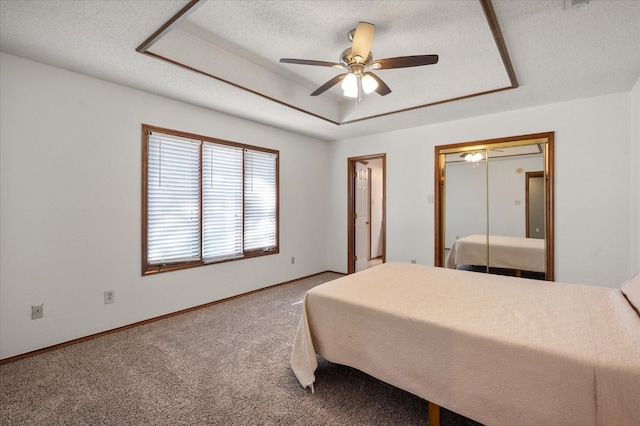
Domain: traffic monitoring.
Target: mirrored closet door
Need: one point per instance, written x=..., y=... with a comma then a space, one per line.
x=494, y=206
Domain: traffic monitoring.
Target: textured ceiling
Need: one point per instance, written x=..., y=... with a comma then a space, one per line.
x=558, y=52
x=247, y=51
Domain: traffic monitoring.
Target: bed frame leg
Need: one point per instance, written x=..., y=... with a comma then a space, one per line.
x=434, y=414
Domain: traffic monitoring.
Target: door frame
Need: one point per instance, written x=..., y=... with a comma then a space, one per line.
x=351, y=241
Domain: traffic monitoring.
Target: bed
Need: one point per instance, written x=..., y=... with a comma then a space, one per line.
x=484, y=346
x=520, y=254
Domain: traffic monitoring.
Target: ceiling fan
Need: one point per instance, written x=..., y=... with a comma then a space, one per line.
x=357, y=60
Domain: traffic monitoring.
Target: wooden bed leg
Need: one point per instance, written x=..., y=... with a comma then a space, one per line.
x=434, y=414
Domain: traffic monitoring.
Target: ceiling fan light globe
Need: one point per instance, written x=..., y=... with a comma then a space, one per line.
x=350, y=86
x=350, y=93
x=369, y=84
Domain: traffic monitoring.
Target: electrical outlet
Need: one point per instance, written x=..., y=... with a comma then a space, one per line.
x=413, y=261
x=37, y=311
x=293, y=260
x=109, y=296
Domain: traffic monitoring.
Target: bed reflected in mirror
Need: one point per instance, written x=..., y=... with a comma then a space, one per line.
x=494, y=211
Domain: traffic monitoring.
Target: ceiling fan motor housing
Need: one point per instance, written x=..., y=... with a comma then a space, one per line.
x=347, y=60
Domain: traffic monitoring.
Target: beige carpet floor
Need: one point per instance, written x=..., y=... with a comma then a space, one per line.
x=226, y=364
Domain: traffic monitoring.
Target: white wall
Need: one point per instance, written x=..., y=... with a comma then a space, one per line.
x=591, y=190
x=634, y=164
x=70, y=173
x=465, y=194
x=70, y=227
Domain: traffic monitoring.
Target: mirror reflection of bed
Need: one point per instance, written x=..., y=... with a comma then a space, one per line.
x=494, y=206
x=514, y=256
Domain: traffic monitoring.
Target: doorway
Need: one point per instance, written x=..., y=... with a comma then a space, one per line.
x=535, y=205
x=366, y=211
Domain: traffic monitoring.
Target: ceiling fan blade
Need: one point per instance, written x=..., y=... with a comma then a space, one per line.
x=329, y=84
x=362, y=40
x=405, y=62
x=382, y=88
x=311, y=62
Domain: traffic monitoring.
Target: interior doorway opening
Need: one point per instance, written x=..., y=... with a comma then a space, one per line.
x=366, y=211
x=535, y=210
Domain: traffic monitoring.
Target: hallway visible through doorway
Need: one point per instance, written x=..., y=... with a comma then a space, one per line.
x=366, y=212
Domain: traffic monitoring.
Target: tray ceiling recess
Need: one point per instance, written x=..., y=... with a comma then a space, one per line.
x=240, y=43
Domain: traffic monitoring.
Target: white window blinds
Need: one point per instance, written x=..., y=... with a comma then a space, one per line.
x=173, y=200
x=222, y=202
x=207, y=201
x=260, y=200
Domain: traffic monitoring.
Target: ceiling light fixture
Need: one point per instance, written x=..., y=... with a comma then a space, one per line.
x=358, y=58
x=350, y=86
x=369, y=84
x=473, y=157
x=356, y=82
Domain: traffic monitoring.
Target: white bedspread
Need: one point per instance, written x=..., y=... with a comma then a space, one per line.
x=496, y=349
x=524, y=254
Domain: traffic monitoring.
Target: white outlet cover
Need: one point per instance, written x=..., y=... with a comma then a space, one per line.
x=37, y=311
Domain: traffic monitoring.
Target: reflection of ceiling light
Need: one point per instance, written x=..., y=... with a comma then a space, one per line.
x=353, y=82
x=472, y=156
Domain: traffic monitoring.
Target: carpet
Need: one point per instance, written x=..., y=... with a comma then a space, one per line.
x=224, y=364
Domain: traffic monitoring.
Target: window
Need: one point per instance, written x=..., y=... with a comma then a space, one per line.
x=205, y=200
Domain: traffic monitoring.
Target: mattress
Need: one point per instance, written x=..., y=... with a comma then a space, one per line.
x=496, y=349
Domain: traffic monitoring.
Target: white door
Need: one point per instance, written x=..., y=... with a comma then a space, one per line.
x=362, y=217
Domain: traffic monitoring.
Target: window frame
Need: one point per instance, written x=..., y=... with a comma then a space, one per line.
x=150, y=269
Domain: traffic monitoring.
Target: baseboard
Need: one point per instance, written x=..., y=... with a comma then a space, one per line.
x=147, y=321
